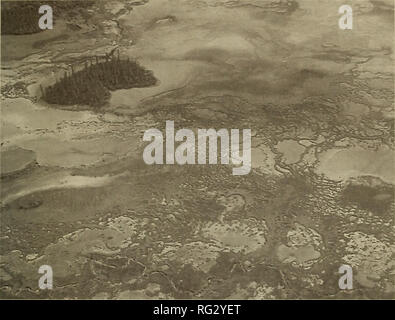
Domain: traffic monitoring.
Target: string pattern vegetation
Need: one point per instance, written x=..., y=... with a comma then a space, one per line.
x=92, y=84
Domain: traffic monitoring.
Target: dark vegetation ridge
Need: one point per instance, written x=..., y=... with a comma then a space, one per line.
x=91, y=85
x=21, y=17
x=376, y=199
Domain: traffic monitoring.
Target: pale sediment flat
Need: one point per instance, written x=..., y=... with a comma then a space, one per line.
x=319, y=101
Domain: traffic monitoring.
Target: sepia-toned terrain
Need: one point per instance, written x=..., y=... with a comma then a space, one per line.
x=76, y=194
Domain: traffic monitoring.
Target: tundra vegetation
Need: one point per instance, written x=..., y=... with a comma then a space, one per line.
x=91, y=85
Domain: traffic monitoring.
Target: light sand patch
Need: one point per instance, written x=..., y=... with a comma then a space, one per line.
x=237, y=236
x=58, y=180
x=126, y=101
x=301, y=236
x=302, y=256
x=9, y=131
x=54, y=151
x=343, y=164
x=263, y=160
x=291, y=150
x=14, y=160
x=354, y=109
x=232, y=202
x=369, y=257
x=25, y=115
x=202, y=256
x=65, y=138
x=301, y=249
x=71, y=252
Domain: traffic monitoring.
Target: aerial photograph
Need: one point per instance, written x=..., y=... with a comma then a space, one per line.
x=197, y=149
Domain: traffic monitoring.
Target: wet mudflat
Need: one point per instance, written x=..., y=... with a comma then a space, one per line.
x=319, y=101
